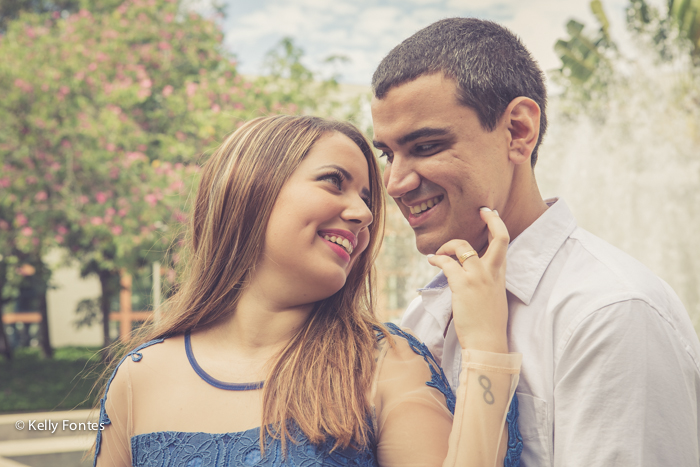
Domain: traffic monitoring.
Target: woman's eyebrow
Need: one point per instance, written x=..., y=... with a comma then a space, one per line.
x=345, y=173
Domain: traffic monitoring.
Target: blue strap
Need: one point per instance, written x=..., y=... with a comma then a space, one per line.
x=210, y=379
x=104, y=420
x=438, y=380
x=515, y=439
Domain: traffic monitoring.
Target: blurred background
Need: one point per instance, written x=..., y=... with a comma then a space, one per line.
x=109, y=107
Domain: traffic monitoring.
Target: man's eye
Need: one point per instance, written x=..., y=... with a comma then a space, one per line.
x=423, y=148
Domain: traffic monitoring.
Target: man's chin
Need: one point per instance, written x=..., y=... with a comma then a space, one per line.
x=426, y=246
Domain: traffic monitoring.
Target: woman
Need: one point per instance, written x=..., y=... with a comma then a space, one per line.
x=272, y=331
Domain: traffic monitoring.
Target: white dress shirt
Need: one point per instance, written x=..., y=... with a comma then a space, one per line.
x=611, y=363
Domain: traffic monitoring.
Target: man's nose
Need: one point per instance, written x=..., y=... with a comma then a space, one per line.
x=400, y=177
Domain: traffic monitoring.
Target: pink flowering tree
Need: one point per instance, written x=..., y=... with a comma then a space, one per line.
x=102, y=120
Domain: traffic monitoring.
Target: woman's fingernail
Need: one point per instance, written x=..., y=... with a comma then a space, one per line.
x=497, y=213
x=430, y=256
x=484, y=208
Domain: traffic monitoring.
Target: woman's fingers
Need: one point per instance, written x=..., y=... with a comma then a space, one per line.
x=479, y=303
x=495, y=254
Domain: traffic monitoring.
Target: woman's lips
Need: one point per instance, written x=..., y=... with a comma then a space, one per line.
x=339, y=250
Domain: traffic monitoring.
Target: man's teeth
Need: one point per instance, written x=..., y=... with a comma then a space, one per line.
x=424, y=206
x=344, y=242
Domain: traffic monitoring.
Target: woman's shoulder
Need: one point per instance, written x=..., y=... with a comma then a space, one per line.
x=147, y=360
x=403, y=357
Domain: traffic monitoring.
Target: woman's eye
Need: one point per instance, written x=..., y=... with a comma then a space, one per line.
x=334, y=179
x=389, y=157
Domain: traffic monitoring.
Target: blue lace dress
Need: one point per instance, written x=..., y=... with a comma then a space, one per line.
x=197, y=449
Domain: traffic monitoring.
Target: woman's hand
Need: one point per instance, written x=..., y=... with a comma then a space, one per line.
x=479, y=304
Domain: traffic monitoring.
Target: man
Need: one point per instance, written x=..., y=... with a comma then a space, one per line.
x=610, y=372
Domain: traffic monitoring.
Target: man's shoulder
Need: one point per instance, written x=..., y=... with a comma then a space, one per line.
x=595, y=276
x=596, y=268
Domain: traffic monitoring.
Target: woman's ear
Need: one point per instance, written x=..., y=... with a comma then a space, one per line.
x=522, y=117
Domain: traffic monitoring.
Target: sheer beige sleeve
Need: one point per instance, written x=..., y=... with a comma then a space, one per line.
x=414, y=426
x=115, y=447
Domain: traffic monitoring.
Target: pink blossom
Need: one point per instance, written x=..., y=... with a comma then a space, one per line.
x=177, y=185
x=167, y=90
x=162, y=45
x=110, y=147
x=27, y=231
x=151, y=199
x=31, y=180
x=146, y=83
x=141, y=147
x=110, y=211
x=135, y=156
x=23, y=85
x=4, y=182
x=180, y=136
x=117, y=229
x=4, y=225
x=190, y=89
x=114, y=173
x=143, y=93
x=83, y=199
x=41, y=196
x=44, y=87
x=58, y=239
x=101, y=197
x=48, y=176
x=96, y=221
x=92, y=66
x=20, y=219
x=168, y=18
x=122, y=212
x=215, y=108
x=61, y=230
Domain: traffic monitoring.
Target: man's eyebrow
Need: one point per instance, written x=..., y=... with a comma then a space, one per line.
x=414, y=135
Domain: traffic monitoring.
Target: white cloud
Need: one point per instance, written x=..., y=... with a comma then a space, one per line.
x=366, y=30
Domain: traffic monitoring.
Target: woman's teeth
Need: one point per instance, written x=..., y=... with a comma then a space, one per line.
x=344, y=242
x=425, y=206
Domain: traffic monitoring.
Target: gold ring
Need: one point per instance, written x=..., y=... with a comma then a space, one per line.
x=465, y=256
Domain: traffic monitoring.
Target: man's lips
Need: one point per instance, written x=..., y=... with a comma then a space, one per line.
x=419, y=207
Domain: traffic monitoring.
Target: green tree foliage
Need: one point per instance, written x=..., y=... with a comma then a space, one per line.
x=102, y=118
x=589, y=58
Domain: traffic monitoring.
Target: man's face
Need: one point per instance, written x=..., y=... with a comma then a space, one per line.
x=442, y=166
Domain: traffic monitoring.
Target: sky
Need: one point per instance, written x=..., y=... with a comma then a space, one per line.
x=364, y=31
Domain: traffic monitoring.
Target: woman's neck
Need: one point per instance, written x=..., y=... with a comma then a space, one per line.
x=241, y=347
x=260, y=323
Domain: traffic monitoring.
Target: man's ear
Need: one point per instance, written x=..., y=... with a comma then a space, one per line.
x=522, y=118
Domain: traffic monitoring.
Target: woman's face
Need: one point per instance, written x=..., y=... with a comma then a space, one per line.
x=318, y=226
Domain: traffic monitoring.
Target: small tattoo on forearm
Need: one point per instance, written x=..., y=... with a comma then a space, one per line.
x=485, y=383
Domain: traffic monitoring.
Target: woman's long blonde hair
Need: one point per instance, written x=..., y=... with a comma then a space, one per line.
x=320, y=380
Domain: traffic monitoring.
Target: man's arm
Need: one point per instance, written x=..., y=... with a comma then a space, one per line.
x=625, y=391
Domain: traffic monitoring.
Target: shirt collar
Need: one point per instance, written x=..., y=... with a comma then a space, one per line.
x=531, y=252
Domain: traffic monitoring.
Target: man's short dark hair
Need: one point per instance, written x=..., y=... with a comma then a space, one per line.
x=488, y=62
